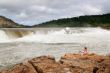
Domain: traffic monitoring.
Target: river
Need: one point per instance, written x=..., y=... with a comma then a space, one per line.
x=18, y=44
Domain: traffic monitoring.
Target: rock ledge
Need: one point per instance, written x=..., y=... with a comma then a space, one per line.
x=69, y=63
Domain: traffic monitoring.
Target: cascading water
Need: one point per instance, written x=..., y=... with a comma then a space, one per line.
x=64, y=35
x=10, y=35
x=70, y=35
x=3, y=37
x=50, y=41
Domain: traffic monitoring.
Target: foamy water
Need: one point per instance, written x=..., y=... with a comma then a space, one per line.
x=51, y=41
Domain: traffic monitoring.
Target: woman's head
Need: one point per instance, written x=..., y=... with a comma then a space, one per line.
x=85, y=48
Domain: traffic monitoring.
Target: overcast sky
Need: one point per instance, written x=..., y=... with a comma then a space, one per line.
x=31, y=12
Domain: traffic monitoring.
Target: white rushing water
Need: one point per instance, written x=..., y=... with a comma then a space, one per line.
x=61, y=35
x=67, y=36
x=52, y=41
x=3, y=37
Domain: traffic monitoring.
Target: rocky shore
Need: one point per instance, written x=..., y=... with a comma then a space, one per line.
x=69, y=63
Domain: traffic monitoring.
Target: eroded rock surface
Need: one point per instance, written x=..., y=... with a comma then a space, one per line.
x=69, y=63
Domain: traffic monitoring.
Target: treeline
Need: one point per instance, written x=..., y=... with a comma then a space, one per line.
x=81, y=21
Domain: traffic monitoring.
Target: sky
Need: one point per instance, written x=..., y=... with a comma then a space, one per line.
x=30, y=12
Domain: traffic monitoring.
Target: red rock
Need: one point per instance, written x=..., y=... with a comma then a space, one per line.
x=47, y=65
x=69, y=63
x=21, y=68
x=92, y=57
x=104, y=67
x=4, y=71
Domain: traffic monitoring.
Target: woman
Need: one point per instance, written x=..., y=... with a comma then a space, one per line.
x=84, y=51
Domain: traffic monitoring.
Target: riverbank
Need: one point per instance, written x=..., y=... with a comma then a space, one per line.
x=69, y=63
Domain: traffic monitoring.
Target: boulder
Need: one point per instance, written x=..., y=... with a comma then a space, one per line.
x=46, y=64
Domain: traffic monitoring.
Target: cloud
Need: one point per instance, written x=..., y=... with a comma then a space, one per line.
x=22, y=15
x=90, y=10
x=30, y=12
x=43, y=9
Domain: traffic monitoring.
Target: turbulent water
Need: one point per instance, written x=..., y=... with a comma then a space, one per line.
x=19, y=44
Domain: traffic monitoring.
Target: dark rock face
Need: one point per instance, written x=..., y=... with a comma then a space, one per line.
x=69, y=63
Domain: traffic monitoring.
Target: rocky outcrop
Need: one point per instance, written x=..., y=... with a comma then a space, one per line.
x=69, y=63
x=8, y=23
x=91, y=63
